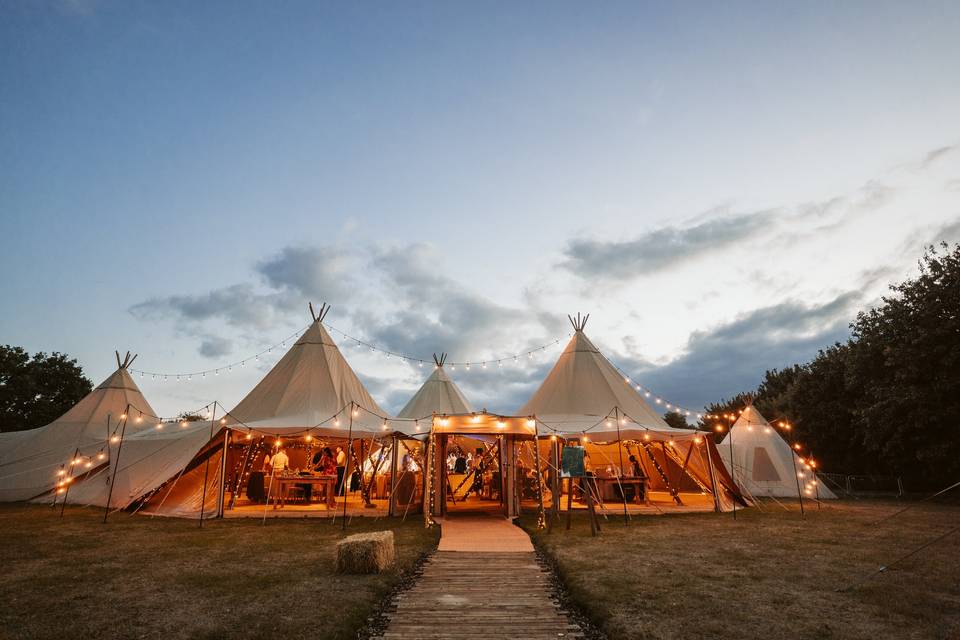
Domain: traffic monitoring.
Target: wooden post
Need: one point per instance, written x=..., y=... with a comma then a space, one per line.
x=556, y=484
x=116, y=465
x=569, y=500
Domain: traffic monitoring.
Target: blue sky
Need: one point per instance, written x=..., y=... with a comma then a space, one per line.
x=722, y=187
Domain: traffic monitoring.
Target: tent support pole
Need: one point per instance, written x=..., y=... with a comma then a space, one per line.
x=116, y=466
x=796, y=476
x=713, y=477
x=623, y=494
x=206, y=468
x=223, y=473
x=733, y=466
x=392, y=504
x=66, y=493
x=345, y=485
x=541, y=518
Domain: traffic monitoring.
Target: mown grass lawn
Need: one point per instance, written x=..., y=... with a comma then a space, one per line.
x=769, y=574
x=143, y=577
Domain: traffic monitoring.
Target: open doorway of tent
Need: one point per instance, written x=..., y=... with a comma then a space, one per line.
x=254, y=474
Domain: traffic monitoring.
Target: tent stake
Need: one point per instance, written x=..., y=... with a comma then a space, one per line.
x=116, y=468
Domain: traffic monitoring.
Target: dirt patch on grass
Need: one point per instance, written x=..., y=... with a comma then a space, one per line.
x=142, y=577
x=769, y=574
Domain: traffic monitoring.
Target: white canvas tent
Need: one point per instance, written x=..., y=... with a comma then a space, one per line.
x=764, y=464
x=33, y=462
x=585, y=398
x=311, y=393
x=438, y=394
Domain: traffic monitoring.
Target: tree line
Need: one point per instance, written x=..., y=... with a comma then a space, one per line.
x=887, y=401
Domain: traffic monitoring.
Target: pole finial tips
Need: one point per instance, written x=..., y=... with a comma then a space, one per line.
x=579, y=322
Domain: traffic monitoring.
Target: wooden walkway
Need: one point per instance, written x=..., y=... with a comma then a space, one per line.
x=476, y=592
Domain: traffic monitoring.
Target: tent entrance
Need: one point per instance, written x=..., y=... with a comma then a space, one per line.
x=376, y=476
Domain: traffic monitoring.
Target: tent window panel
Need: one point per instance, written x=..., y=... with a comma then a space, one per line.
x=763, y=469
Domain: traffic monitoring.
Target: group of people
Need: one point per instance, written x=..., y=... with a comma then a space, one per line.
x=324, y=462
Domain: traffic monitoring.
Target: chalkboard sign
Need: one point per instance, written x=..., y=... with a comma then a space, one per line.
x=572, y=463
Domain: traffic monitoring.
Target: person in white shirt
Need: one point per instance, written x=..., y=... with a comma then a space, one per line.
x=341, y=469
x=280, y=461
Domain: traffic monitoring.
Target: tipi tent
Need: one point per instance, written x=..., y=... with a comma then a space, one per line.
x=310, y=395
x=33, y=462
x=311, y=387
x=438, y=394
x=764, y=464
x=584, y=398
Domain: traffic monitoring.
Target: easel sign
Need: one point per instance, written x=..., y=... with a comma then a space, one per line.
x=573, y=470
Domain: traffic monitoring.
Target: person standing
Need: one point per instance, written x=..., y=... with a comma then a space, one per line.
x=341, y=468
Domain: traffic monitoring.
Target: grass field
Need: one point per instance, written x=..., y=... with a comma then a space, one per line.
x=769, y=574
x=142, y=577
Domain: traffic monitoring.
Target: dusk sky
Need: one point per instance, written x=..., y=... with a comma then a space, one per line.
x=722, y=186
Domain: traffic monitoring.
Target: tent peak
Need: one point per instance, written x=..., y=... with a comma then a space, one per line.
x=127, y=360
x=318, y=316
x=579, y=322
x=439, y=360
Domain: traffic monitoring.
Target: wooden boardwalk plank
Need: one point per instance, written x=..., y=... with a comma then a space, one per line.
x=483, y=582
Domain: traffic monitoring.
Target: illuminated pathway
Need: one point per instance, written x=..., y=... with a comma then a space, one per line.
x=484, y=581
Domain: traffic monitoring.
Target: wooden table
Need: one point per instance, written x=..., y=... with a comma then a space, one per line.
x=623, y=481
x=281, y=486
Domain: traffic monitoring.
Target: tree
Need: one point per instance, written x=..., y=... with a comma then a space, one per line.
x=36, y=391
x=718, y=413
x=904, y=373
x=675, y=420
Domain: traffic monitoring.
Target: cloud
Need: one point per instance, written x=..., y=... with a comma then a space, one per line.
x=733, y=357
x=238, y=305
x=935, y=155
x=661, y=248
x=314, y=273
x=215, y=347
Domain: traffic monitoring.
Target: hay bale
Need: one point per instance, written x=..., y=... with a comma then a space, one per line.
x=365, y=553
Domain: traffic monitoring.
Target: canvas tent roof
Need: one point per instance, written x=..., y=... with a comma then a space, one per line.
x=583, y=388
x=438, y=394
x=763, y=462
x=310, y=385
x=29, y=460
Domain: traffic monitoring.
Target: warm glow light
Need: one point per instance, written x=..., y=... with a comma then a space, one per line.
x=749, y=428
x=139, y=419
x=77, y=461
x=336, y=422
x=698, y=439
x=586, y=439
x=609, y=423
x=719, y=427
x=531, y=423
x=249, y=436
x=277, y=443
x=308, y=437
x=355, y=413
x=766, y=429
x=123, y=416
x=115, y=439
x=475, y=419
x=60, y=472
x=659, y=401
x=797, y=446
x=223, y=421
x=501, y=424
x=646, y=436
x=183, y=423
x=553, y=437
x=384, y=425
x=670, y=443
